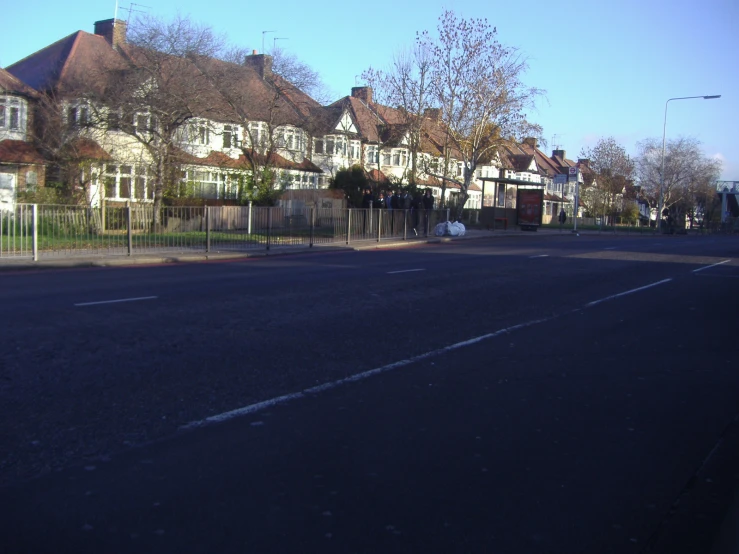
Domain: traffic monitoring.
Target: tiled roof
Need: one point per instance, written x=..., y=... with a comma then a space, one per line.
x=84, y=59
x=10, y=83
x=63, y=65
x=19, y=152
x=247, y=95
x=377, y=176
x=219, y=159
x=86, y=149
x=552, y=197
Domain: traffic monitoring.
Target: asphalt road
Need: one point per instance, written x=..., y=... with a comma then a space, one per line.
x=560, y=394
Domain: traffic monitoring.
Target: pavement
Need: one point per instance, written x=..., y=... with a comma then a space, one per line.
x=60, y=261
x=727, y=540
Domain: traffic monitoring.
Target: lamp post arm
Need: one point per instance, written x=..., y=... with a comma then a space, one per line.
x=664, y=135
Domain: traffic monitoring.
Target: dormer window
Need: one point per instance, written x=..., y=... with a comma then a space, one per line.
x=230, y=136
x=199, y=133
x=10, y=113
x=77, y=116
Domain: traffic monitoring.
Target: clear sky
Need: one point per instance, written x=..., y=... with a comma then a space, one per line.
x=608, y=67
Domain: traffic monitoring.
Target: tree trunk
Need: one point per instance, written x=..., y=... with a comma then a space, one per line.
x=156, y=222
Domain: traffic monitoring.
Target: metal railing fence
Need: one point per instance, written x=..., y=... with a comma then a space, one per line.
x=33, y=231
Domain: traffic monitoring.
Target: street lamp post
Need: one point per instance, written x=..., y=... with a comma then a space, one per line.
x=662, y=173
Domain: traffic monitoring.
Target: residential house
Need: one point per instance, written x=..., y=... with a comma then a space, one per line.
x=242, y=120
x=21, y=164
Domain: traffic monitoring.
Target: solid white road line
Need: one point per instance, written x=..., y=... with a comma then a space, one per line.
x=404, y=271
x=710, y=266
x=251, y=408
x=354, y=378
x=539, y=256
x=116, y=301
x=594, y=302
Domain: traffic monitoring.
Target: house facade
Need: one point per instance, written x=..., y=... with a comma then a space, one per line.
x=22, y=167
x=246, y=120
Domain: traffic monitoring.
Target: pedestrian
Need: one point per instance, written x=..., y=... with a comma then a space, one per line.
x=368, y=199
x=404, y=202
x=380, y=203
x=562, y=217
x=416, y=204
x=390, y=207
x=396, y=200
x=428, y=206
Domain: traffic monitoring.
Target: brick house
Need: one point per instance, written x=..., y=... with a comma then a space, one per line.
x=22, y=167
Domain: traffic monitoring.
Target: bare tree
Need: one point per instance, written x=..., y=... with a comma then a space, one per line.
x=61, y=140
x=300, y=75
x=477, y=86
x=687, y=172
x=612, y=170
x=266, y=107
x=161, y=92
x=406, y=86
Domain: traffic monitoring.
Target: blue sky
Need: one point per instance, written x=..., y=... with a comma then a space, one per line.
x=608, y=68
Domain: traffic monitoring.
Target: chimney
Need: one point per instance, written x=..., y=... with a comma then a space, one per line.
x=530, y=141
x=559, y=154
x=363, y=93
x=112, y=30
x=432, y=113
x=262, y=63
x=584, y=162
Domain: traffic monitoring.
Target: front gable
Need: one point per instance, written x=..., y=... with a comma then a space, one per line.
x=346, y=124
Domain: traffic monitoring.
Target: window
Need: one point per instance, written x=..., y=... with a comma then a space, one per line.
x=400, y=157
x=15, y=118
x=330, y=145
x=199, y=133
x=140, y=187
x=257, y=133
x=124, y=186
x=114, y=120
x=109, y=181
x=341, y=146
x=372, y=155
x=386, y=158
x=77, y=116
x=230, y=136
x=318, y=146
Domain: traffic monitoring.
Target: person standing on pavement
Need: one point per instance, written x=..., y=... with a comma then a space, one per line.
x=428, y=205
x=368, y=199
x=390, y=207
x=416, y=204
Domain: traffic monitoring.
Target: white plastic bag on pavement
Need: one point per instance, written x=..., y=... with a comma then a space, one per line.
x=450, y=229
x=457, y=229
